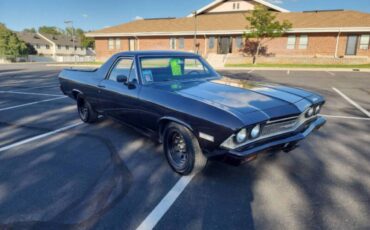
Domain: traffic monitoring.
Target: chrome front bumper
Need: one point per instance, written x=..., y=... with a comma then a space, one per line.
x=277, y=142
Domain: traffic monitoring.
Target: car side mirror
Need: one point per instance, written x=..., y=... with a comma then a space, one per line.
x=122, y=79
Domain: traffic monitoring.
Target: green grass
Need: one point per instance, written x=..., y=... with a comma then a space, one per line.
x=300, y=66
x=90, y=63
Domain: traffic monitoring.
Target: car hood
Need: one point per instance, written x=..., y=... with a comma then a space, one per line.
x=260, y=101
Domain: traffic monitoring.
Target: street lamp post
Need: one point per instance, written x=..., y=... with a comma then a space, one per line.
x=195, y=31
x=73, y=38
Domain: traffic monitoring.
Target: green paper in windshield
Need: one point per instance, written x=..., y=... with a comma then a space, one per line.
x=176, y=67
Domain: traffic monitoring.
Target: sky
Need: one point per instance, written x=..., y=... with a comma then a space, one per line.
x=98, y=14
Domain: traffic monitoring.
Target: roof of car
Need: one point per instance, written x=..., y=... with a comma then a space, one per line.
x=155, y=53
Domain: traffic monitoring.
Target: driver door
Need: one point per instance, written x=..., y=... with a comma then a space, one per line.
x=117, y=99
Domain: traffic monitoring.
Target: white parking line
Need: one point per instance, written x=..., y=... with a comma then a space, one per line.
x=348, y=118
x=29, y=93
x=352, y=102
x=331, y=73
x=158, y=212
x=41, y=87
x=288, y=72
x=251, y=71
x=31, y=103
x=39, y=137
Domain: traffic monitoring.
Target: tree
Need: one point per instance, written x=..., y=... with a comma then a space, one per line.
x=30, y=30
x=80, y=34
x=10, y=45
x=52, y=30
x=264, y=27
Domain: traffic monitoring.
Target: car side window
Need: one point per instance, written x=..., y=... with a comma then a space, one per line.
x=125, y=66
x=133, y=74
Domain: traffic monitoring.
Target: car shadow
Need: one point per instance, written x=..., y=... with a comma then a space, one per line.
x=66, y=192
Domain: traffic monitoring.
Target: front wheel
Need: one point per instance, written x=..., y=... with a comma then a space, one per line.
x=85, y=111
x=182, y=150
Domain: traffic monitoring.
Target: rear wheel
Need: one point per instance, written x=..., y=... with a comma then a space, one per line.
x=85, y=111
x=182, y=150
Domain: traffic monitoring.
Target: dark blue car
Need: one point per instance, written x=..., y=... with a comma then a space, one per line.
x=184, y=103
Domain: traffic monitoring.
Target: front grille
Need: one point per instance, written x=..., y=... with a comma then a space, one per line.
x=279, y=127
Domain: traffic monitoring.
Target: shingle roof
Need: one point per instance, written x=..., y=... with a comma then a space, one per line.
x=237, y=21
x=32, y=38
x=62, y=40
x=36, y=39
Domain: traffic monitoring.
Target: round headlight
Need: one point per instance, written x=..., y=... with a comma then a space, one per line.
x=317, y=109
x=310, y=112
x=256, y=131
x=241, y=136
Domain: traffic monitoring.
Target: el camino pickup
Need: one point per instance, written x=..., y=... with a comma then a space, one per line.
x=179, y=99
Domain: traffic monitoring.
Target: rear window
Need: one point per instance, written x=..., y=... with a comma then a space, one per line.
x=163, y=69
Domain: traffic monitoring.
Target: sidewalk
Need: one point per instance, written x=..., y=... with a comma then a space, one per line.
x=296, y=69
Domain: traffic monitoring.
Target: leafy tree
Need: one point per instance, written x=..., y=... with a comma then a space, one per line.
x=52, y=30
x=30, y=30
x=80, y=34
x=30, y=50
x=87, y=42
x=10, y=44
x=264, y=27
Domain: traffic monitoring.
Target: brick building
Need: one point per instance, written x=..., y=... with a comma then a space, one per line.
x=220, y=26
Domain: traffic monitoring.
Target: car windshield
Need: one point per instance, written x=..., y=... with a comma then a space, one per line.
x=163, y=69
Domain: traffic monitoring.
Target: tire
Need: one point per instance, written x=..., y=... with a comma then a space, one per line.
x=85, y=111
x=182, y=150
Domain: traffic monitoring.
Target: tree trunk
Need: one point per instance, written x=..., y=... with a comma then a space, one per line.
x=257, y=53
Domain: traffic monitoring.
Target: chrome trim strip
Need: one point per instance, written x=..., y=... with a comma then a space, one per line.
x=280, y=120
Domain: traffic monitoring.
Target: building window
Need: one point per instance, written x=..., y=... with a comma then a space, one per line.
x=291, y=42
x=37, y=46
x=59, y=47
x=303, y=42
x=364, y=41
x=181, y=43
x=239, y=42
x=236, y=6
x=67, y=47
x=172, y=43
x=211, y=42
x=110, y=43
x=132, y=44
x=47, y=47
x=118, y=43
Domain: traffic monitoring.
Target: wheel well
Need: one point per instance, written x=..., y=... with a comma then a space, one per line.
x=75, y=94
x=79, y=98
x=163, y=123
x=161, y=127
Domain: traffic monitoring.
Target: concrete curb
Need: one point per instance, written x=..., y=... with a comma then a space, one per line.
x=297, y=69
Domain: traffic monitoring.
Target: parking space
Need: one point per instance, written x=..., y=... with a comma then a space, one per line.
x=58, y=173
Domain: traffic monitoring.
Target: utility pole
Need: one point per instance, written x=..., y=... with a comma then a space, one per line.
x=195, y=31
x=69, y=22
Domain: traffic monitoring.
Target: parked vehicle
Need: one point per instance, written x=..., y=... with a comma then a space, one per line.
x=184, y=103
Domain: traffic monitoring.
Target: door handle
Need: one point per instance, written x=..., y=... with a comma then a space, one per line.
x=101, y=86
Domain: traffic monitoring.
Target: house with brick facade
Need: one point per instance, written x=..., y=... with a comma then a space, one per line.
x=216, y=32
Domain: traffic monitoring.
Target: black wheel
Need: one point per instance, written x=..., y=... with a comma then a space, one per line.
x=182, y=150
x=85, y=111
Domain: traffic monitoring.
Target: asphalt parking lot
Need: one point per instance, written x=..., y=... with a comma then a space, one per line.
x=57, y=173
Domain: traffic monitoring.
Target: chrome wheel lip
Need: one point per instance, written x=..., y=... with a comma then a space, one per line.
x=177, y=150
